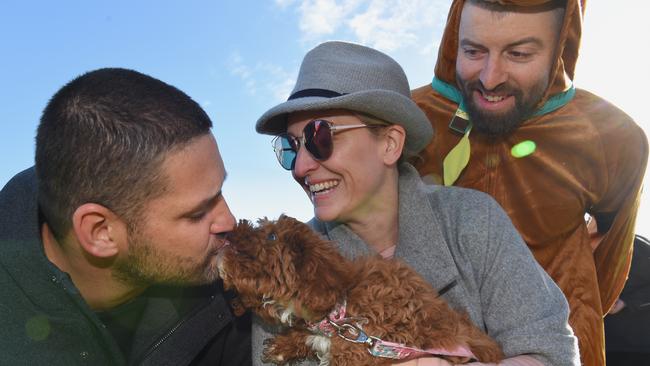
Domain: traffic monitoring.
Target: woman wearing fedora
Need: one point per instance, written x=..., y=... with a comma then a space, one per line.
x=345, y=134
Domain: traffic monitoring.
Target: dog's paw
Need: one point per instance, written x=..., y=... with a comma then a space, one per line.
x=271, y=354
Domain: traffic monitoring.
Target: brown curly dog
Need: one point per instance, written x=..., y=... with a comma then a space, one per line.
x=337, y=310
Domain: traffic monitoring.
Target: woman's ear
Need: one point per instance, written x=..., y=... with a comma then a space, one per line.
x=98, y=230
x=395, y=137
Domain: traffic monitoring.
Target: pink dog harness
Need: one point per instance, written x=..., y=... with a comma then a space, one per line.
x=351, y=330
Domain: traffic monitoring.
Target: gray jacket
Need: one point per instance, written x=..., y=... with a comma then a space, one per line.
x=453, y=234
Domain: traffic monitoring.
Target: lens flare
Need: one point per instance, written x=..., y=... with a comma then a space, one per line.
x=523, y=149
x=38, y=327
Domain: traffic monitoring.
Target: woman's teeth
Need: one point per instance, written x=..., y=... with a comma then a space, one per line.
x=318, y=187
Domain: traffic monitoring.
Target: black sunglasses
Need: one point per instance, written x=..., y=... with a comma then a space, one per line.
x=316, y=138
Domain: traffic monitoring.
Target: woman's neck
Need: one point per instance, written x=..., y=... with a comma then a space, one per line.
x=379, y=233
x=379, y=226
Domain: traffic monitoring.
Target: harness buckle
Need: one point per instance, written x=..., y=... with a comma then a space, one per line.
x=353, y=333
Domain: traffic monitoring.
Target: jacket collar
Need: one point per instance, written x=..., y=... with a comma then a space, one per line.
x=23, y=256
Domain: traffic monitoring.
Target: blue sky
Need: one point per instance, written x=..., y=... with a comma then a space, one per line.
x=239, y=58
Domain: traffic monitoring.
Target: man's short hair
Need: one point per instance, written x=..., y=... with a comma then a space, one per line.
x=102, y=139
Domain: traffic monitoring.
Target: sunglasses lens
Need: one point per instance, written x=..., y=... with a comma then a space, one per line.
x=318, y=139
x=284, y=151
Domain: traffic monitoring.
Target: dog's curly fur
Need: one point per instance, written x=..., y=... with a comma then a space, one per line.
x=287, y=274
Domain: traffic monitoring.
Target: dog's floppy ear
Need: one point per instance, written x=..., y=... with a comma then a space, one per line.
x=324, y=275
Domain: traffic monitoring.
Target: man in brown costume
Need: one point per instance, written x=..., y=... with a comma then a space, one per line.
x=510, y=123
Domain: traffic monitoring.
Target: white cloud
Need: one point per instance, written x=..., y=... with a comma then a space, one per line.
x=393, y=24
x=280, y=81
x=388, y=25
x=323, y=17
x=407, y=29
x=238, y=68
x=263, y=78
x=380, y=28
x=282, y=89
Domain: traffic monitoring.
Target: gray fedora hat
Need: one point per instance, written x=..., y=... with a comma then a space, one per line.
x=341, y=75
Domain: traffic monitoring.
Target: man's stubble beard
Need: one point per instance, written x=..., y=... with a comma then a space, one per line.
x=145, y=265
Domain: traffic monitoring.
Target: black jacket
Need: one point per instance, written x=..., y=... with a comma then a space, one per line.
x=44, y=320
x=629, y=329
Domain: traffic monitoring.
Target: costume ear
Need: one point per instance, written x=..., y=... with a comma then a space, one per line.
x=395, y=137
x=98, y=230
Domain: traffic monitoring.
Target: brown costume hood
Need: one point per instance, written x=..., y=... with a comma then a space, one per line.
x=590, y=157
x=567, y=52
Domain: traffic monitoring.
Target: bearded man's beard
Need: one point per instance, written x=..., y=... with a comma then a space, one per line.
x=496, y=124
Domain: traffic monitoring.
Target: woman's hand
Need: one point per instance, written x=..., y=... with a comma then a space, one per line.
x=426, y=361
x=521, y=360
x=618, y=306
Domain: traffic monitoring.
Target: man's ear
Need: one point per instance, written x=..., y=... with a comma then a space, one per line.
x=98, y=230
x=395, y=137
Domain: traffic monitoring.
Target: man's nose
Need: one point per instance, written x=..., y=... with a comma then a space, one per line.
x=493, y=73
x=224, y=221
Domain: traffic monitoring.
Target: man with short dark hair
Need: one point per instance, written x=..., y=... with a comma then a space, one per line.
x=109, y=244
x=510, y=123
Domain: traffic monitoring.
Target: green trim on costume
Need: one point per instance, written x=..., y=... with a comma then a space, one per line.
x=447, y=90
x=557, y=101
x=452, y=93
x=458, y=157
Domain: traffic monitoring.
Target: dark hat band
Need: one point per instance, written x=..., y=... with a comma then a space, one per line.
x=346, y=76
x=314, y=93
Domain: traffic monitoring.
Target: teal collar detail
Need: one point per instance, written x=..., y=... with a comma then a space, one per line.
x=452, y=93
